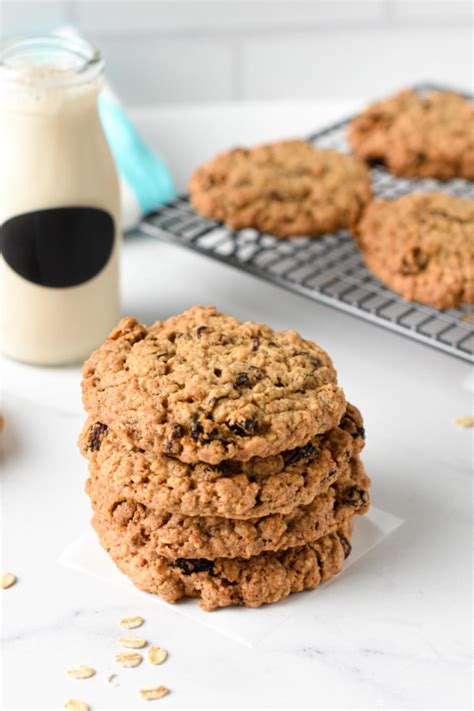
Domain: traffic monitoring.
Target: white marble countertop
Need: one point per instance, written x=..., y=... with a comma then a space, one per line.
x=392, y=632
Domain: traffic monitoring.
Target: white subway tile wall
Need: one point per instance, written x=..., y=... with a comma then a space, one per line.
x=369, y=61
x=157, y=70
x=222, y=15
x=197, y=50
x=425, y=11
x=33, y=17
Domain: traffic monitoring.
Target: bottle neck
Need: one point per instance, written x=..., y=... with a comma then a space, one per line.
x=50, y=70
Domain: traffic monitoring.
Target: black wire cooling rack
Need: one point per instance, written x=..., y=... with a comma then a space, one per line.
x=328, y=269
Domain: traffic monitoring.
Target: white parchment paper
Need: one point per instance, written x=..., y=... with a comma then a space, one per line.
x=244, y=625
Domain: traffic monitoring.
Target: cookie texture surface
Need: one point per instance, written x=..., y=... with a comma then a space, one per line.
x=231, y=489
x=286, y=188
x=418, y=135
x=205, y=387
x=422, y=246
x=265, y=578
x=210, y=537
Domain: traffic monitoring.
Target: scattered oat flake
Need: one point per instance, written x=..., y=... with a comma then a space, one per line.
x=8, y=579
x=133, y=642
x=131, y=622
x=75, y=705
x=466, y=421
x=157, y=655
x=113, y=680
x=152, y=693
x=80, y=671
x=128, y=659
x=467, y=317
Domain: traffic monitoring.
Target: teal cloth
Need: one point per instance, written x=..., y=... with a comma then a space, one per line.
x=146, y=174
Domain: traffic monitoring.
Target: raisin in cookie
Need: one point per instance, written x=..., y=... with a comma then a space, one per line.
x=231, y=489
x=265, y=578
x=210, y=537
x=422, y=246
x=418, y=135
x=203, y=386
x=286, y=188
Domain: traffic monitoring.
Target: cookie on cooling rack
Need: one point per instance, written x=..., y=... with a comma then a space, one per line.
x=418, y=135
x=287, y=188
x=422, y=246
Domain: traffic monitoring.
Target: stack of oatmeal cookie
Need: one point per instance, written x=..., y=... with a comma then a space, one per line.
x=224, y=460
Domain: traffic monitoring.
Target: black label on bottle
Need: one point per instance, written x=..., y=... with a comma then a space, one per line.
x=60, y=247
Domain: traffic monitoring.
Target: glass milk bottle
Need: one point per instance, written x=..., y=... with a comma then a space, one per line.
x=59, y=203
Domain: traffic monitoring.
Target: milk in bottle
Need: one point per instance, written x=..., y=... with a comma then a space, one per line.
x=59, y=203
